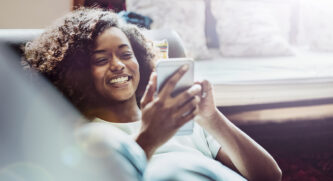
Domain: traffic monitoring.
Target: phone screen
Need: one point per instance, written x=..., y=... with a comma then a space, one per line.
x=165, y=69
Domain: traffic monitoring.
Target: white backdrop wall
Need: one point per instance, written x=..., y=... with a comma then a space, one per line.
x=31, y=13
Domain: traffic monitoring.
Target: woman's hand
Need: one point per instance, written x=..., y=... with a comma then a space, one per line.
x=239, y=150
x=207, y=106
x=163, y=115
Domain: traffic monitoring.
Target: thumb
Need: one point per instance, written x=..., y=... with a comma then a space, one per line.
x=148, y=95
x=207, y=89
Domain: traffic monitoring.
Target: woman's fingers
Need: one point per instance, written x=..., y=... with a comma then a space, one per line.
x=170, y=84
x=187, y=95
x=187, y=108
x=206, y=88
x=207, y=103
x=187, y=117
x=154, y=81
x=148, y=96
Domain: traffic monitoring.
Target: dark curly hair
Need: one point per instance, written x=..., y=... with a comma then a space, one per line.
x=63, y=51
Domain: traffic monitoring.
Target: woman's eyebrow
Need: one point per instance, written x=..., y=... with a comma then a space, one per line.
x=122, y=46
x=103, y=51
x=99, y=51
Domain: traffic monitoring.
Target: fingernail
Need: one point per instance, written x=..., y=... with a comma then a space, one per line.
x=185, y=67
x=197, y=87
x=204, y=94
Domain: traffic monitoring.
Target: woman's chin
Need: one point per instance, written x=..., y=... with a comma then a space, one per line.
x=122, y=97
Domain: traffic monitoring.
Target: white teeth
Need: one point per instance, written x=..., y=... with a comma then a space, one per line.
x=119, y=80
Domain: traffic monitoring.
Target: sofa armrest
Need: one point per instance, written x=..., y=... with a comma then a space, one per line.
x=16, y=38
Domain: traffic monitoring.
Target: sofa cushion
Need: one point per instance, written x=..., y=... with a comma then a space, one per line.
x=186, y=17
x=315, y=26
x=249, y=28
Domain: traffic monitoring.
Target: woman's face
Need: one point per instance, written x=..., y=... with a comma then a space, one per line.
x=114, y=68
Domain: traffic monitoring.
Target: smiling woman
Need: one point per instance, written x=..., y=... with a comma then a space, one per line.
x=79, y=45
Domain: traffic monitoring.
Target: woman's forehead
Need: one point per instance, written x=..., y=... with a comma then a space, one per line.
x=112, y=36
x=113, y=32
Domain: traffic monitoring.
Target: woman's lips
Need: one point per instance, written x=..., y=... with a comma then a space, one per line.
x=119, y=81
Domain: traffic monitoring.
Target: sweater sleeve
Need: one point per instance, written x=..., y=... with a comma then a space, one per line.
x=213, y=145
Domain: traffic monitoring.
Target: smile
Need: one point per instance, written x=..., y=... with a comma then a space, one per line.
x=120, y=79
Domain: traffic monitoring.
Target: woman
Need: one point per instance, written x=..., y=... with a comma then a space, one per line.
x=101, y=66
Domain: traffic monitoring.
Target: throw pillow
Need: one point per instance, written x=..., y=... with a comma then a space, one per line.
x=186, y=17
x=316, y=25
x=162, y=48
x=249, y=28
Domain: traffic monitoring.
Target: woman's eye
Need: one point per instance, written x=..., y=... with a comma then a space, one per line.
x=101, y=61
x=127, y=55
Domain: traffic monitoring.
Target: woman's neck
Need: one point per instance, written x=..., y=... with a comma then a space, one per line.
x=120, y=112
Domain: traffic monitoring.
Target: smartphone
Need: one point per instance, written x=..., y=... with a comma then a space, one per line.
x=165, y=68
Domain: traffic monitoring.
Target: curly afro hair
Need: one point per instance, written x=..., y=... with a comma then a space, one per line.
x=63, y=51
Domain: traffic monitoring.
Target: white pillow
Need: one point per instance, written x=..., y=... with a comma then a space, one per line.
x=316, y=25
x=249, y=28
x=186, y=17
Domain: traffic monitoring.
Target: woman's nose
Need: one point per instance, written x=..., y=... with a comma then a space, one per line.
x=116, y=65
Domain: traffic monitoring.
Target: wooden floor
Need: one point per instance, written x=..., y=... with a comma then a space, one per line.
x=291, y=137
x=280, y=115
x=303, y=149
